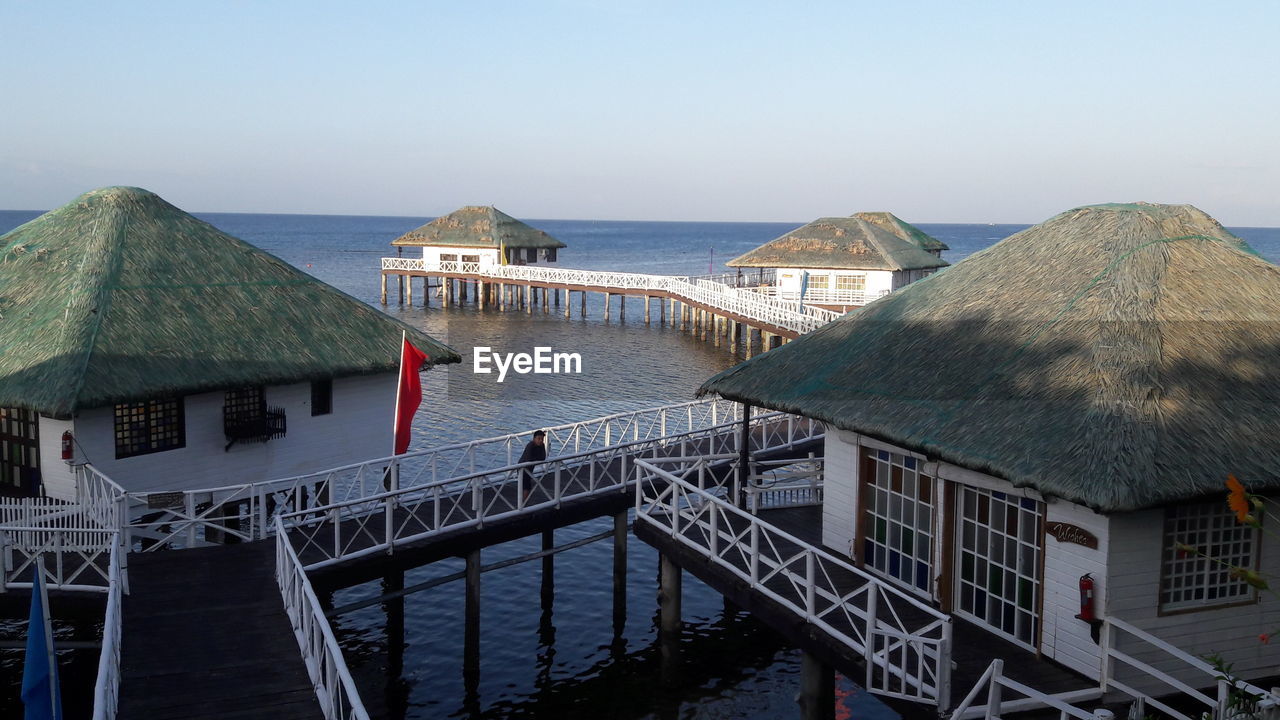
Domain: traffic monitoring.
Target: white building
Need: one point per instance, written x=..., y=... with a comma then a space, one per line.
x=840, y=263
x=1068, y=403
x=172, y=356
x=476, y=236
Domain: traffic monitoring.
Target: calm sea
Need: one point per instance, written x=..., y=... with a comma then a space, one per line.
x=565, y=662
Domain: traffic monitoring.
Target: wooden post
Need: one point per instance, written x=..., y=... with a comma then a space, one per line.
x=582, y=296
x=548, y=569
x=566, y=302
x=446, y=298
x=384, y=288
x=647, y=301
x=619, y=573
x=480, y=293
x=400, y=288
x=744, y=456
x=662, y=311
x=408, y=281
x=817, y=689
x=556, y=297
x=669, y=585
x=608, y=299
x=471, y=626
x=546, y=307
x=622, y=307
x=528, y=299
x=426, y=291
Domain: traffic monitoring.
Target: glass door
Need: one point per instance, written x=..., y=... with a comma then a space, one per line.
x=999, y=543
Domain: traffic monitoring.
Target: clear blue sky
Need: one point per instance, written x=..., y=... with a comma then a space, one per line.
x=939, y=112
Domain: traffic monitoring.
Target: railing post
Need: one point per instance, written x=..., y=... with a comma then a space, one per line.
x=1104, y=642
x=755, y=553
x=388, y=509
x=810, y=583
x=944, y=667
x=189, y=501
x=259, y=512
x=715, y=532
x=994, y=690
x=1224, y=698
x=869, y=633
x=559, y=489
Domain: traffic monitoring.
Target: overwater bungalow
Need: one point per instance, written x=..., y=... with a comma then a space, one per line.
x=482, y=235
x=840, y=263
x=1038, y=439
x=171, y=355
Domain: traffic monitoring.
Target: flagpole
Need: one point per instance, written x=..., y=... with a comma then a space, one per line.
x=48, y=638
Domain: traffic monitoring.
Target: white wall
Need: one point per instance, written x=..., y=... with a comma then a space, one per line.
x=1064, y=638
x=488, y=256
x=1133, y=594
x=55, y=473
x=878, y=281
x=840, y=491
x=359, y=428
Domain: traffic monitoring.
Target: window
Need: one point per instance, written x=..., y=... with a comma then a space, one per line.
x=819, y=282
x=19, y=452
x=897, y=532
x=321, y=397
x=149, y=426
x=448, y=257
x=1188, y=580
x=851, y=283
x=246, y=417
x=471, y=258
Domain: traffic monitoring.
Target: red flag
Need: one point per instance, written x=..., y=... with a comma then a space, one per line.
x=408, y=394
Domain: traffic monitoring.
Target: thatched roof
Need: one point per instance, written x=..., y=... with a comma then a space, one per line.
x=905, y=230
x=477, y=226
x=839, y=243
x=120, y=296
x=1118, y=356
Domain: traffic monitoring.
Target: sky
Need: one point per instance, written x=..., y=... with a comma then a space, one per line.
x=1005, y=112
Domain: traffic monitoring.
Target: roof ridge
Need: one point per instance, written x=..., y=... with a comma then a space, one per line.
x=103, y=294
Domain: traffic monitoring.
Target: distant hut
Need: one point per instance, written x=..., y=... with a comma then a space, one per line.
x=845, y=262
x=175, y=356
x=483, y=235
x=1068, y=402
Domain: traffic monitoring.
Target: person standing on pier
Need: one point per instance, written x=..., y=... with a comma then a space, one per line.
x=534, y=453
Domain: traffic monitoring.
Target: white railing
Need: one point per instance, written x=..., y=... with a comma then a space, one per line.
x=903, y=660
x=821, y=295
x=75, y=559
x=995, y=683
x=41, y=512
x=744, y=301
x=785, y=483
x=1216, y=706
x=753, y=277
x=206, y=516
x=106, y=689
x=378, y=523
x=339, y=698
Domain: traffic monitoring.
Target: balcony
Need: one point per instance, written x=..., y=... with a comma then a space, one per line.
x=256, y=426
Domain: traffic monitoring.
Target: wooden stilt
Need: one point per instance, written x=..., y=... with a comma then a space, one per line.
x=384, y=288
x=566, y=302
x=528, y=299
x=400, y=288
x=408, y=281
x=582, y=297
x=480, y=293
x=607, y=300
x=647, y=302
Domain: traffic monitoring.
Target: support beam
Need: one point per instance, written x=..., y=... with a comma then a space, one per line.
x=548, y=569
x=647, y=302
x=471, y=626
x=817, y=689
x=567, y=314
x=384, y=288
x=744, y=455
x=426, y=291
x=619, y=573
x=608, y=300
x=400, y=288
x=669, y=586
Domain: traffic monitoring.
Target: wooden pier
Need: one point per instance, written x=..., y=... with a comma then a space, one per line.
x=712, y=310
x=206, y=636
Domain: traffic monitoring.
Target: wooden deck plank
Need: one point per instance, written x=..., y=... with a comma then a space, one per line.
x=205, y=635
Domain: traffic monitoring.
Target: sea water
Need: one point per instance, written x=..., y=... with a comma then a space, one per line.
x=565, y=661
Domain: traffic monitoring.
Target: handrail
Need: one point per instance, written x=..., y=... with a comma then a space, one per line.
x=106, y=688
x=995, y=682
x=1217, y=706
x=903, y=662
x=350, y=529
x=742, y=301
x=75, y=552
x=245, y=510
x=335, y=689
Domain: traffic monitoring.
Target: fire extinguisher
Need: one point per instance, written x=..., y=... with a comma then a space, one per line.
x=66, y=445
x=1086, y=598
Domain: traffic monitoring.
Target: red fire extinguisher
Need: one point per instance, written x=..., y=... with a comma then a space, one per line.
x=66, y=445
x=1086, y=598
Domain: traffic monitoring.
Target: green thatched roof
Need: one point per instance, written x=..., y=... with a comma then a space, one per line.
x=840, y=243
x=478, y=226
x=1118, y=356
x=905, y=230
x=120, y=296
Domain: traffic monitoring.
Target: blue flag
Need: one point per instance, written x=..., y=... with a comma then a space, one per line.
x=40, y=693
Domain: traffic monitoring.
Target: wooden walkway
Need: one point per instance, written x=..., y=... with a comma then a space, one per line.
x=459, y=533
x=206, y=636
x=973, y=648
